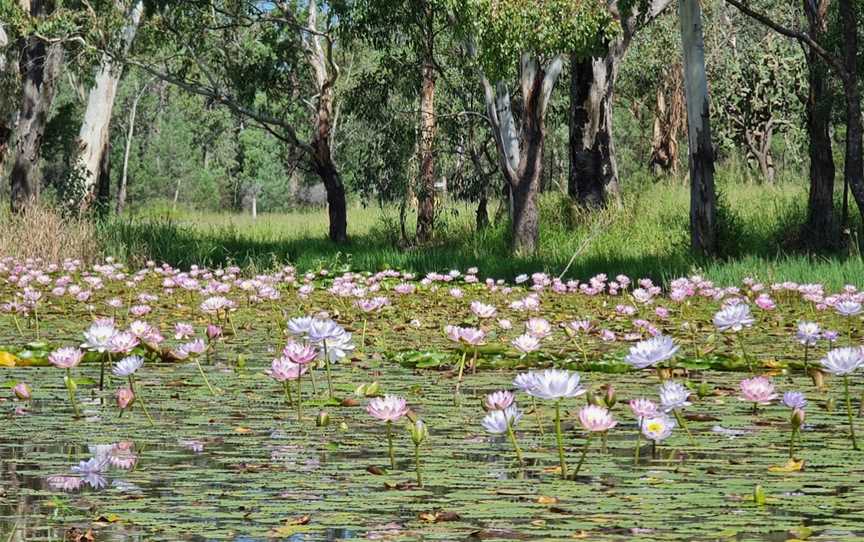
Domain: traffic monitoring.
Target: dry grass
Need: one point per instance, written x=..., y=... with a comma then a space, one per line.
x=43, y=232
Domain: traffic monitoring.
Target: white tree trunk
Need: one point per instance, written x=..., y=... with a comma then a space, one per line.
x=4, y=41
x=94, y=133
x=703, y=230
x=130, y=133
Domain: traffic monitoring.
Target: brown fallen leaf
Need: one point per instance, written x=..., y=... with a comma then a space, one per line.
x=439, y=516
x=543, y=499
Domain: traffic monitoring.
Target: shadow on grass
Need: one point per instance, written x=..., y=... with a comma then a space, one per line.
x=183, y=246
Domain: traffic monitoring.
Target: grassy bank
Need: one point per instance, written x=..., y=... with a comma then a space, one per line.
x=647, y=236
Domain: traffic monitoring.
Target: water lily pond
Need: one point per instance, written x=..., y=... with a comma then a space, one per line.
x=224, y=453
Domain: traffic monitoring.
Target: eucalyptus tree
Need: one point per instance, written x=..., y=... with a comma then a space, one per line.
x=528, y=39
x=89, y=168
x=274, y=63
x=593, y=175
x=842, y=59
x=40, y=49
x=412, y=37
x=703, y=197
x=8, y=92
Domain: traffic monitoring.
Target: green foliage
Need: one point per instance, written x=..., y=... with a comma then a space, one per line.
x=504, y=29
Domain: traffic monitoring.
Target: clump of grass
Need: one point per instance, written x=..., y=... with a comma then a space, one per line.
x=42, y=231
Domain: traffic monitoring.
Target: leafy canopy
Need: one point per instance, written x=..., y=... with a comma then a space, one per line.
x=504, y=29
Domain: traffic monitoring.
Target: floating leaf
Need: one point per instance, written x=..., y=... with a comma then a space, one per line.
x=792, y=465
x=7, y=359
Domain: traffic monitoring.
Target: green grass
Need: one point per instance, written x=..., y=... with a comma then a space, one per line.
x=646, y=237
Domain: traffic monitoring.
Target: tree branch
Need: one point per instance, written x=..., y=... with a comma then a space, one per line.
x=802, y=37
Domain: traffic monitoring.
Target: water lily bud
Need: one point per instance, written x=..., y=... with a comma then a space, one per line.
x=798, y=416
x=703, y=390
x=22, y=391
x=125, y=398
x=343, y=426
x=818, y=378
x=610, y=398
x=323, y=419
x=419, y=432
x=213, y=331
x=830, y=404
x=759, y=495
x=592, y=398
x=372, y=389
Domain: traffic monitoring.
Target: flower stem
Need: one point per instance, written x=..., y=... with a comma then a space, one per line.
x=102, y=370
x=683, y=423
x=363, y=338
x=390, y=444
x=792, y=444
x=537, y=415
x=204, y=376
x=327, y=367
x=582, y=457
x=638, y=443
x=744, y=353
x=288, y=399
x=560, y=438
x=69, y=387
x=512, y=435
x=849, y=412
x=806, y=366
x=139, y=398
x=417, y=465
x=17, y=325
x=461, y=371
x=299, y=397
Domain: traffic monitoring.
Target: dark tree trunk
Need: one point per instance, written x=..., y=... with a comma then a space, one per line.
x=482, y=215
x=337, y=209
x=854, y=168
x=40, y=66
x=426, y=194
x=593, y=168
x=326, y=74
x=703, y=228
x=820, y=228
x=103, y=187
x=593, y=178
x=525, y=224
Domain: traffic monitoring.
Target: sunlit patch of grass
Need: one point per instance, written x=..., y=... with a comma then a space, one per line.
x=646, y=237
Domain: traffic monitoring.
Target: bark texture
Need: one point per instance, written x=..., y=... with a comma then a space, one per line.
x=703, y=213
x=426, y=194
x=853, y=172
x=593, y=177
x=821, y=223
x=520, y=150
x=40, y=66
x=94, y=134
x=320, y=54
